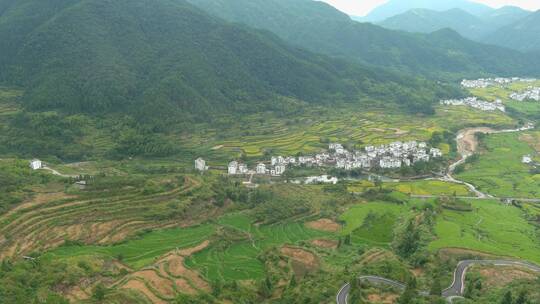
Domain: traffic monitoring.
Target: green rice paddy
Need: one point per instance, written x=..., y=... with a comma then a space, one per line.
x=372, y=223
x=239, y=261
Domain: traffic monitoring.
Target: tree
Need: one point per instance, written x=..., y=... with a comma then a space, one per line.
x=522, y=297
x=436, y=288
x=410, y=293
x=507, y=298
x=99, y=292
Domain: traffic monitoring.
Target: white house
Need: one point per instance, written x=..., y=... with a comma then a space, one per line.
x=200, y=164
x=261, y=168
x=233, y=168
x=435, y=152
x=279, y=170
x=389, y=163
x=36, y=164
x=527, y=159
x=242, y=169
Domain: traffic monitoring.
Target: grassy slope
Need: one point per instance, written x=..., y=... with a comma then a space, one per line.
x=499, y=170
x=492, y=228
x=377, y=232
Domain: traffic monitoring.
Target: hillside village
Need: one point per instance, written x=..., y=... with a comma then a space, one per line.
x=489, y=82
x=392, y=156
x=532, y=93
x=474, y=102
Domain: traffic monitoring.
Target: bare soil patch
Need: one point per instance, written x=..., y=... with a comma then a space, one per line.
x=183, y=286
x=163, y=286
x=139, y=286
x=531, y=140
x=331, y=244
x=502, y=276
x=382, y=298
x=173, y=264
x=303, y=256
x=324, y=225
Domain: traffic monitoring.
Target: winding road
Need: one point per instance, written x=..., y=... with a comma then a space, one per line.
x=467, y=145
x=454, y=291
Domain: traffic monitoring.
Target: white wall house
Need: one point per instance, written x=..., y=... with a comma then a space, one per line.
x=242, y=169
x=261, y=168
x=527, y=159
x=279, y=170
x=233, y=168
x=36, y=164
x=200, y=164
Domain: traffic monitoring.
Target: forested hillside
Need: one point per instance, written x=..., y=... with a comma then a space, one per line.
x=321, y=28
x=138, y=68
x=163, y=56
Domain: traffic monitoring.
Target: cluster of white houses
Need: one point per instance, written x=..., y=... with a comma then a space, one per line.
x=532, y=93
x=474, y=102
x=392, y=156
x=488, y=82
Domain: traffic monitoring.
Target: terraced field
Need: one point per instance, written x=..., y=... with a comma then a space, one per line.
x=255, y=135
x=492, y=228
x=106, y=219
x=238, y=260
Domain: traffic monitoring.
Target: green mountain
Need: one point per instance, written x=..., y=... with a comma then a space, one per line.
x=396, y=7
x=428, y=21
x=321, y=28
x=522, y=35
x=466, y=24
x=164, y=56
x=128, y=70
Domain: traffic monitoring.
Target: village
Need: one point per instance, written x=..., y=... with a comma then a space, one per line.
x=392, y=156
x=474, y=102
x=489, y=82
x=532, y=93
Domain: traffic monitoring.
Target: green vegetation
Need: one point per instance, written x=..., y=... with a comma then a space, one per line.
x=15, y=177
x=372, y=223
x=491, y=228
x=499, y=170
x=144, y=249
x=239, y=261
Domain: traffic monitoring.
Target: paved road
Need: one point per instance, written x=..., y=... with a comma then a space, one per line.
x=455, y=290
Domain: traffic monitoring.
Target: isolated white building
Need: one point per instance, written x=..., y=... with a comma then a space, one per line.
x=200, y=164
x=527, y=159
x=36, y=164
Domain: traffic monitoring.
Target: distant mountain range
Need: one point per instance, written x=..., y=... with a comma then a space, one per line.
x=396, y=7
x=521, y=35
x=321, y=28
x=510, y=27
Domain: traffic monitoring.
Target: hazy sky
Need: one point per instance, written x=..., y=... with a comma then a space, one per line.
x=362, y=7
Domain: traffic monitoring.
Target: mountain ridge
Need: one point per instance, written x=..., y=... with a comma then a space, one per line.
x=299, y=23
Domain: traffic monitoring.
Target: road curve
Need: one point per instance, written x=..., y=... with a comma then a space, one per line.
x=454, y=291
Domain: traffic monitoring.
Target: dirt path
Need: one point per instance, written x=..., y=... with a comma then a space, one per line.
x=467, y=145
